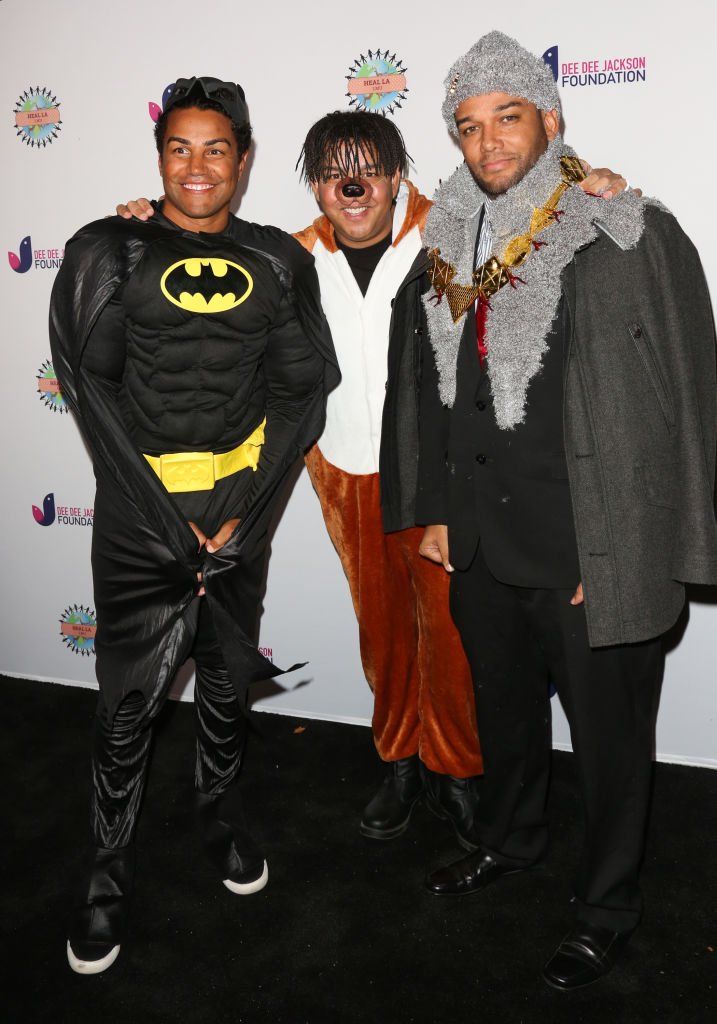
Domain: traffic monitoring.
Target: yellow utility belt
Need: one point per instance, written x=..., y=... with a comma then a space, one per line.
x=199, y=471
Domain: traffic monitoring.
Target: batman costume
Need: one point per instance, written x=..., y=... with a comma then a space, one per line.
x=197, y=366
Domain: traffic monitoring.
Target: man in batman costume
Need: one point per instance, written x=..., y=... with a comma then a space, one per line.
x=195, y=355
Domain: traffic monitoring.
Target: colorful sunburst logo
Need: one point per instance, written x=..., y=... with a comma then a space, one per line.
x=37, y=117
x=48, y=388
x=78, y=627
x=377, y=82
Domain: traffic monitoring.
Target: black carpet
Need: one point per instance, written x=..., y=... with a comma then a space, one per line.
x=344, y=932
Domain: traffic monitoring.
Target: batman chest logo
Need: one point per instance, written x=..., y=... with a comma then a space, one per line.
x=206, y=284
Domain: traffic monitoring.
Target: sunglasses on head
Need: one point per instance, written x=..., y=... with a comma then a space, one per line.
x=228, y=95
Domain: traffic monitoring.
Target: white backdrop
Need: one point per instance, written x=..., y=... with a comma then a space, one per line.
x=638, y=96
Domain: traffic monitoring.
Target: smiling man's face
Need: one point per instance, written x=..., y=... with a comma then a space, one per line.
x=358, y=221
x=502, y=137
x=200, y=168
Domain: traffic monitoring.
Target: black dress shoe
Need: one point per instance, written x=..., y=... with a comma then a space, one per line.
x=585, y=955
x=456, y=801
x=467, y=875
x=388, y=813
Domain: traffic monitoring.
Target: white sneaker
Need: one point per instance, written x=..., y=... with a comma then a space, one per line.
x=247, y=886
x=91, y=966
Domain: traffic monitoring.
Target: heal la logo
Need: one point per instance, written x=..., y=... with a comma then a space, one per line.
x=37, y=117
x=78, y=627
x=48, y=388
x=377, y=82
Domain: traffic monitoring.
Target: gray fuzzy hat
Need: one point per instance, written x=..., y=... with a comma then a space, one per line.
x=497, y=63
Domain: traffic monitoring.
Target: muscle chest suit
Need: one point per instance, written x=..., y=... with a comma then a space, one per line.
x=198, y=382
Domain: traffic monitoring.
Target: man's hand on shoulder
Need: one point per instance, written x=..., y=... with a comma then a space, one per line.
x=434, y=546
x=142, y=209
x=601, y=181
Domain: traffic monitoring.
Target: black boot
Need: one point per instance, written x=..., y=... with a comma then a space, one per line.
x=100, y=915
x=228, y=843
x=455, y=800
x=389, y=812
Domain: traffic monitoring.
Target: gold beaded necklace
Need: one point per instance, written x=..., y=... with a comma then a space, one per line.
x=495, y=273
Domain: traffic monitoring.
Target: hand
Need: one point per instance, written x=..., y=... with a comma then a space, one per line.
x=222, y=535
x=577, y=597
x=434, y=546
x=202, y=541
x=142, y=209
x=603, y=182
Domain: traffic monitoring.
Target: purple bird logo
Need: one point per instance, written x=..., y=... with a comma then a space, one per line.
x=155, y=110
x=551, y=59
x=22, y=263
x=45, y=516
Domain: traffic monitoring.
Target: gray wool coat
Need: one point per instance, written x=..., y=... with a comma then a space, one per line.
x=640, y=423
x=640, y=433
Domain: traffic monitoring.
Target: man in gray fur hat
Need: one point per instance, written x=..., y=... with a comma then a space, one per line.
x=567, y=466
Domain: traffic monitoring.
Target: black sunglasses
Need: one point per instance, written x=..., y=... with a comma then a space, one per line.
x=228, y=95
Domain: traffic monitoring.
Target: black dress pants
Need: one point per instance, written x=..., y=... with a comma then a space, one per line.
x=517, y=640
x=121, y=743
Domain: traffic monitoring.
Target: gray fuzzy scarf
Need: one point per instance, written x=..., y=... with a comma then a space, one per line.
x=520, y=318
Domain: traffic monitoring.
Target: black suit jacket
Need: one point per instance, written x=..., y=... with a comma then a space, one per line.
x=507, y=489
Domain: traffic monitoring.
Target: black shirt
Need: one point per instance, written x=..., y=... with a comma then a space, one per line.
x=363, y=262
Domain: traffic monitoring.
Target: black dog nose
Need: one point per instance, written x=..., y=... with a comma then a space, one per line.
x=353, y=190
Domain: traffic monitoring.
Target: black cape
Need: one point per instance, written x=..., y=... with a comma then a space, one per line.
x=144, y=555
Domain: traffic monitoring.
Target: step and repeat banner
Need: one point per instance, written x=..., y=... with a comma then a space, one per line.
x=80, y=87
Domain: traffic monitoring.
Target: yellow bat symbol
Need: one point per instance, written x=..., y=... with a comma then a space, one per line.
x=206, y=284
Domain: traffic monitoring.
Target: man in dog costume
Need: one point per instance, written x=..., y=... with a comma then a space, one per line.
x=371, y=266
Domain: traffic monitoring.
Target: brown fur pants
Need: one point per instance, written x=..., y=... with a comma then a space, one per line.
x=410, y=650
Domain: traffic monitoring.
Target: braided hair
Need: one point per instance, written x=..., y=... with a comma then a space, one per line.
x=345, y=139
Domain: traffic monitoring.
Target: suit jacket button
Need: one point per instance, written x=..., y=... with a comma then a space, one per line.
x=480, y=406
x=481, y=459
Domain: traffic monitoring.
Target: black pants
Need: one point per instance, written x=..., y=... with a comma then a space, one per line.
x=122, y=742
x=517, y=639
